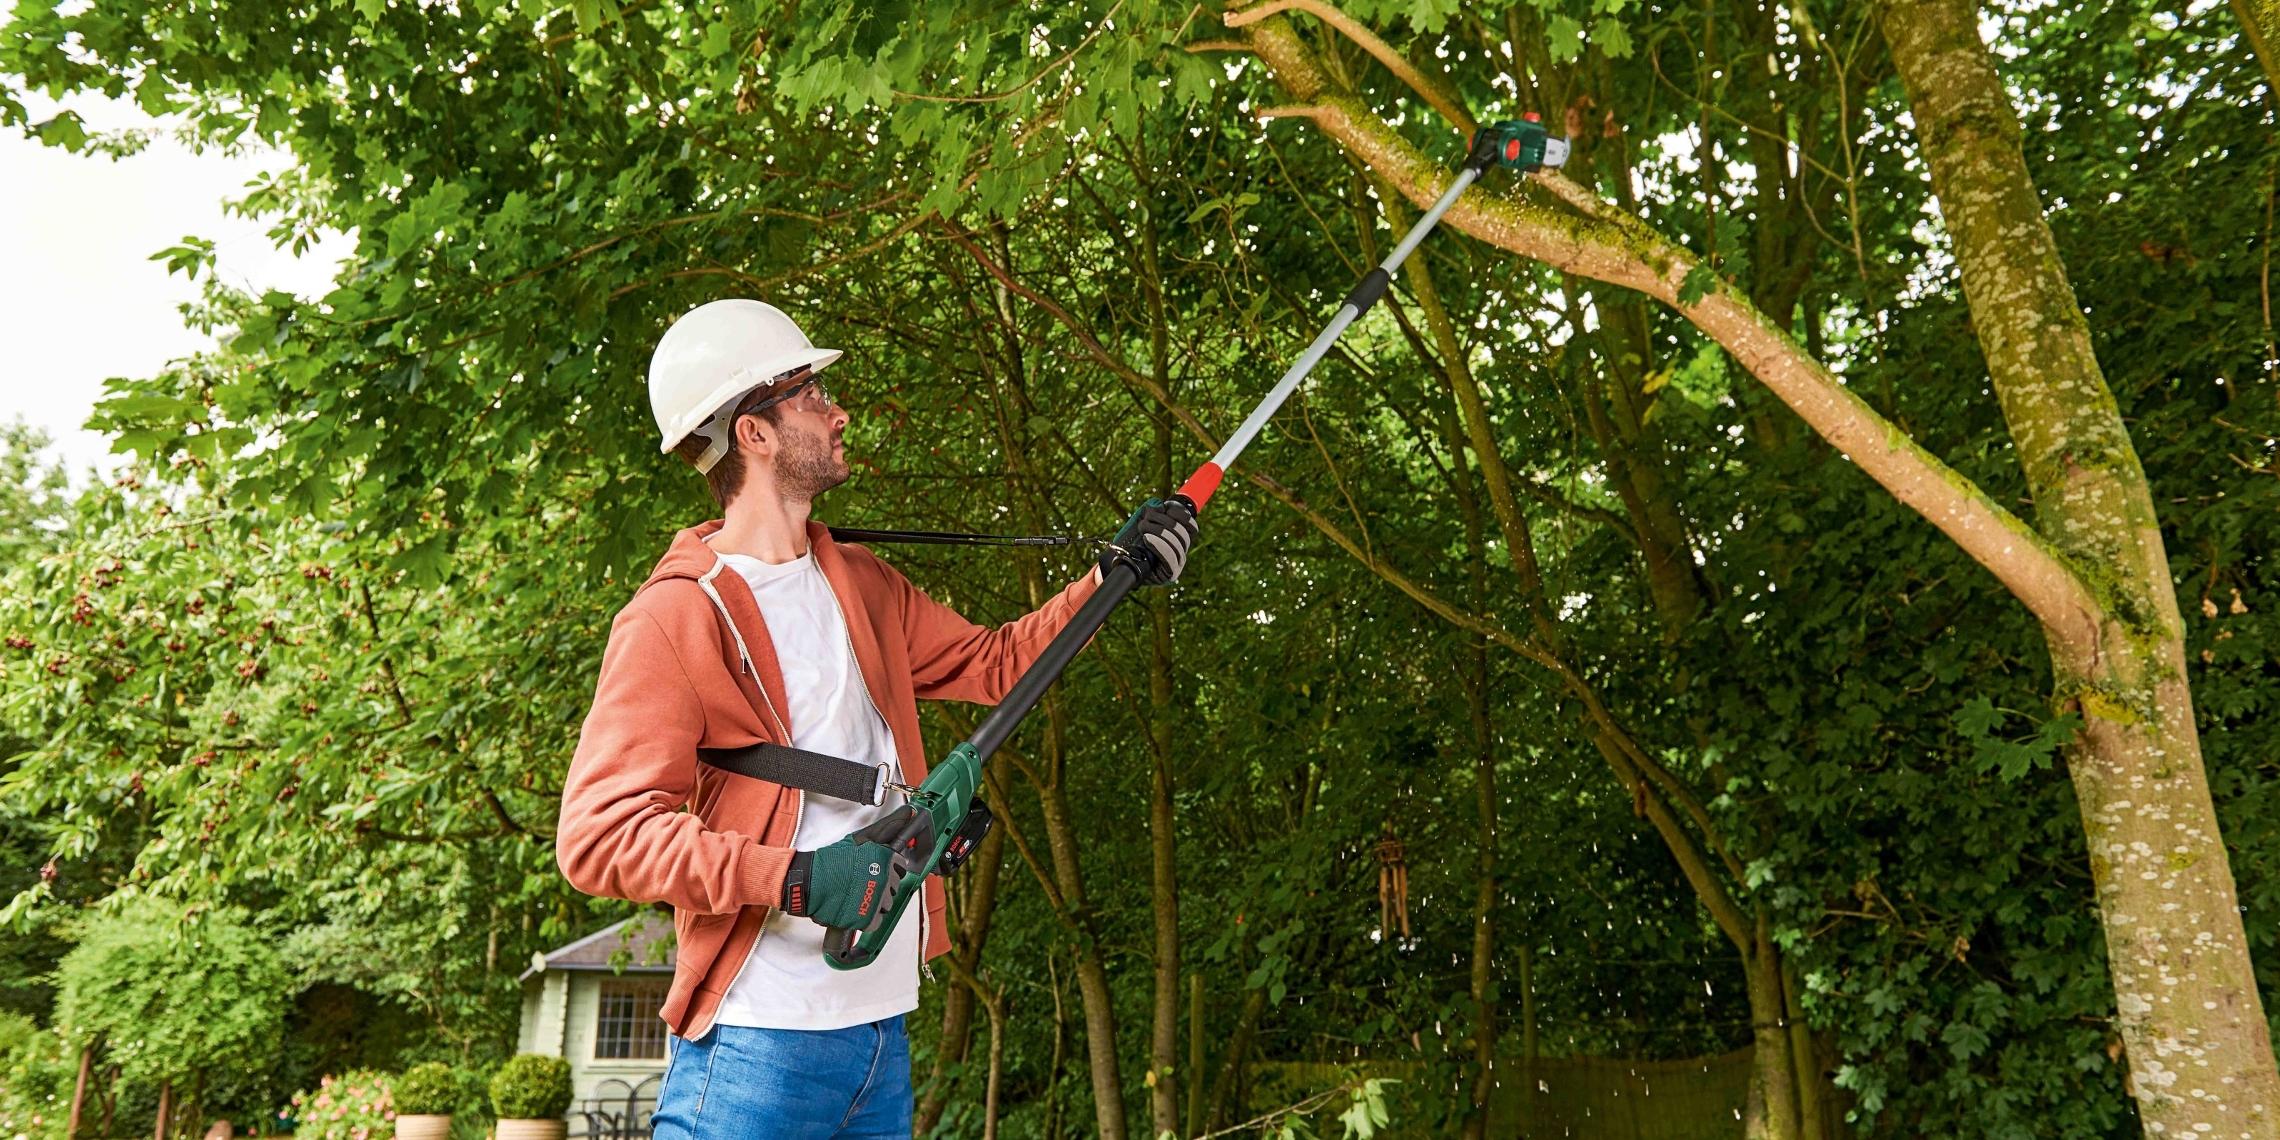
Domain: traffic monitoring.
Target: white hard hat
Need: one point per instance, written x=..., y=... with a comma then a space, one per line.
x=711, y=357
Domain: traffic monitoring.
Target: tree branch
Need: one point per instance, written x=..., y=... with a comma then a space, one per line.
x=1615, y=248
x=1436, y=95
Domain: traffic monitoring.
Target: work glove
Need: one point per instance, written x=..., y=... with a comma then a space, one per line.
x=1155, y=541
x=839, y=884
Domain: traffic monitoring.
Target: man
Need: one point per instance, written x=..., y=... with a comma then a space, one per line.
x=758, y=628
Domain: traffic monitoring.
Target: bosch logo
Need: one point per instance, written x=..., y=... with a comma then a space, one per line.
x=874, y=868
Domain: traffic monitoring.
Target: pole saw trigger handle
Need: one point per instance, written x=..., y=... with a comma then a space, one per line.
x=918, y=833
x=909, y=833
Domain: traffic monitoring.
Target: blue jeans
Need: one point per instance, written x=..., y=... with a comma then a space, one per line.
x=739, y=1083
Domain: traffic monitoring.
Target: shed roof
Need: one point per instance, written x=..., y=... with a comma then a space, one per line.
x=638, y=938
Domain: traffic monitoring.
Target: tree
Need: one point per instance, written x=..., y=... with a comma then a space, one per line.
x=174, y=999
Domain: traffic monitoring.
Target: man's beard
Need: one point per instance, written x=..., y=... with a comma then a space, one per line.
x=805, y=466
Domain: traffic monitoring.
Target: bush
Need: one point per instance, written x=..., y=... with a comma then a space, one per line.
x=356, y=1105
x=36, y=1071
x=172, y=992
x=531, y=1087
x=428, y=1089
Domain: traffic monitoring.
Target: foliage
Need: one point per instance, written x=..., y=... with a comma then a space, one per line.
x=323, y=653
x=36, y=1071
x=531, y=1086
x=171, y=993
x=429, y=1088
x=356, y=1105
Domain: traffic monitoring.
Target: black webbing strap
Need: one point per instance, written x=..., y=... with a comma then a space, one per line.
x=957, y=538
x=802, y=769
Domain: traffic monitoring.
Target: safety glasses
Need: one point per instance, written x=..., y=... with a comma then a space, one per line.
x=812, y=383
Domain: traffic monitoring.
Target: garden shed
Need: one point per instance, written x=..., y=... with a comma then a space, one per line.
x=595, y=1004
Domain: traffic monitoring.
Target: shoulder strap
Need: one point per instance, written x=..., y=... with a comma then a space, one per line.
x=802, y=769
x=957, y=538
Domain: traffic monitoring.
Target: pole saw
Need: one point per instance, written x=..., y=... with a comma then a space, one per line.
x=940, y=822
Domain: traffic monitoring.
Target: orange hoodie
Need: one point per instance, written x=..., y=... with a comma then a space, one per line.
x=689, y=665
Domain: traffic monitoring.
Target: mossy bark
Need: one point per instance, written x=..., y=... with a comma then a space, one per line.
x=2200, y=1052
x=2260, y=24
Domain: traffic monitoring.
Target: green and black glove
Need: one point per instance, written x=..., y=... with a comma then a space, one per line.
x=1155, y=540
x=839, y=884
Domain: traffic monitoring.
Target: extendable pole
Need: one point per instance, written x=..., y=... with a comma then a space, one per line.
x=920, y=833
x=1118, y=580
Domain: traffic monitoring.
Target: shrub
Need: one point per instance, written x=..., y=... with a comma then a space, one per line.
x=173, y=993
x=427, y=1089
x=356, y=1105
x=36, y=1070
x=531, y=1087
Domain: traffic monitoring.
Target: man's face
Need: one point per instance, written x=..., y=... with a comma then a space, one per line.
x=811, y=456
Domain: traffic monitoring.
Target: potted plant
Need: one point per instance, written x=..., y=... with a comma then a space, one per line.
x=425, y=1095
x=531, y=1093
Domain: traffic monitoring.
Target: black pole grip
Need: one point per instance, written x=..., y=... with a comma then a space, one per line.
x=1115, y=583
x=1371, y=287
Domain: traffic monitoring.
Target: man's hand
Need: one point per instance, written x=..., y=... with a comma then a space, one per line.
x=840, y=884
x=1155, y=540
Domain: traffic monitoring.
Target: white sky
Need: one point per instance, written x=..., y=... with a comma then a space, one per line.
x=80, y=299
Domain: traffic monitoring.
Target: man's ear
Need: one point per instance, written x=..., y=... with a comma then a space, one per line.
x=755, y=437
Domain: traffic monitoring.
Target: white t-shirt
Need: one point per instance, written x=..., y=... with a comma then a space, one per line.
x=784, y=983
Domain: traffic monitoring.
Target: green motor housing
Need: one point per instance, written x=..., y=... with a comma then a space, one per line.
x=1516, y=144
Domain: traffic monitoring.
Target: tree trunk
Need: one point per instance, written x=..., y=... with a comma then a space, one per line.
x=978, y=883
x=1483, y=980
x=1231, y=1062
x=1773, y=1076
x=1528, y=1047
x=165, y=1103
x=79, y=1091
x=1164, y=897
x=1093, y=990
x=997, y=1065
x=1813, y=1085
x=1195, y=1055
x=2191, y=1020
x=1060, y=1049
x=1060, y=829
x=2260, y=22
x=110, y=1101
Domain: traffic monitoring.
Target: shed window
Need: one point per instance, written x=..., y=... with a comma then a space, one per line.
x=626, y=1025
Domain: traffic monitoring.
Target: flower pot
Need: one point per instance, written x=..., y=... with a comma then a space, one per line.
x=531, y=1129
x=423, y=1126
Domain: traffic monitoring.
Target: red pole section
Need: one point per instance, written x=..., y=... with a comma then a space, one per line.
x=1199, y=486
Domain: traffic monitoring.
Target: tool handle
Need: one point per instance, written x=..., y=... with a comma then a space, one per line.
x=909, y=833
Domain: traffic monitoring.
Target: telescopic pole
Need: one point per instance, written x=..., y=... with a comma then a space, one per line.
x=920, y=833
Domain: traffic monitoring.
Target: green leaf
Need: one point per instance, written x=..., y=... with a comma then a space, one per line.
x=1612, y=37
x=1978, y=717
x=1563, y=36
x=65, y=130
x=1697, y=284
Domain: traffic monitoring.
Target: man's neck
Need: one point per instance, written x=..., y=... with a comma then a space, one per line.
x=765, y=526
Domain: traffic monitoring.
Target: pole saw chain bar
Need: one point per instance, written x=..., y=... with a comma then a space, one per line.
x=923, y=832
